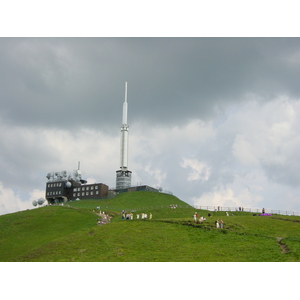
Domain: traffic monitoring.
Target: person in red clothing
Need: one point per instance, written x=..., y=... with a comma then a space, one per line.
x=195, y=217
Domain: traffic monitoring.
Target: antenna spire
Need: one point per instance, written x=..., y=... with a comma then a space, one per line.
x=125, y=106
x=124, y=175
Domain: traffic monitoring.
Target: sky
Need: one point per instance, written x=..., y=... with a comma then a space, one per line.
x=214, y=121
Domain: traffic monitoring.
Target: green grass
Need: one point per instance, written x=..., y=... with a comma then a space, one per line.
x=70, y=233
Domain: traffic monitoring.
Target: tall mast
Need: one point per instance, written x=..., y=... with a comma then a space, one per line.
x=123, y=179
x=125, y=106
x=124, y=135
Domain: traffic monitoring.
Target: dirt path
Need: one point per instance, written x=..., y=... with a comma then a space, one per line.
x=284, y=247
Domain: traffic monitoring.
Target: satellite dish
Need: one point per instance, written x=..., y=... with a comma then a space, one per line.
x=34, y=203
x=68, y=184
x=41, y=201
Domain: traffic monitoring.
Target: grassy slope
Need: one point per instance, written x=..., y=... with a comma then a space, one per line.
x=71, y=234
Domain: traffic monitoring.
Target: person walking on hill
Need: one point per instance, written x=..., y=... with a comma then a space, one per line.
x=195, y=217
x=221, y=223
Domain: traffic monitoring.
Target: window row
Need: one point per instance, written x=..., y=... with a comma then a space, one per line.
x=58, y=184
x=85, y=194
x=87, y=188
x=55, y=193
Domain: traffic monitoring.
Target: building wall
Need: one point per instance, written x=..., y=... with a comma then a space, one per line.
x=89, y=191
x=136, y=189
x=123, y=179
x=57, y=191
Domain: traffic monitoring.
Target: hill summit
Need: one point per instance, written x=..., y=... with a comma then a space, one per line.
x=71, y=233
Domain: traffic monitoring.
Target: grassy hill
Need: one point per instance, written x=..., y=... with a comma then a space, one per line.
x=71, y=233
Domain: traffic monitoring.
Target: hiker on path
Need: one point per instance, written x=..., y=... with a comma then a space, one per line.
x=195, y=217
x=221, y=223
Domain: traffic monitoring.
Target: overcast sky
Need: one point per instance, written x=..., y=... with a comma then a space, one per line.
x=213, y=120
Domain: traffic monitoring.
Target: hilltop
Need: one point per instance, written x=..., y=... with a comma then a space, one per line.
x=71, y=233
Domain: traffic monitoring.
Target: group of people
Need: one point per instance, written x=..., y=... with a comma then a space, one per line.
x=219, y=224
x=201, y=219
x=104, y=218
x=129, y=216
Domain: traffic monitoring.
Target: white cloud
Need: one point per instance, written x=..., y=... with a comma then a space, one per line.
x=193, y=129
x=10, y=202
x=200, y=171
x=36, y=194
x=157, y=174
x=265, y=132
x=156, y=140
x=227, y=197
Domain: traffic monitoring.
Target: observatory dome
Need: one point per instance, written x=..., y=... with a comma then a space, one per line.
x=41, y=201
x=68, y=184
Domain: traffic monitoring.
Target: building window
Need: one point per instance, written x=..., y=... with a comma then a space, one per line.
x=92, y=193
x=92, y=187
x=74, y=194
x=97, y=192
x=78, y=190
x=75, y=190
x=87, y=193
x=82, y=194
x=96, y=187
x=78, y=194
x=87, y=188
x=83, y=188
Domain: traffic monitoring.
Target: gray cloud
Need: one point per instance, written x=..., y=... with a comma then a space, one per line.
x=48, y=81
x=209, y=117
